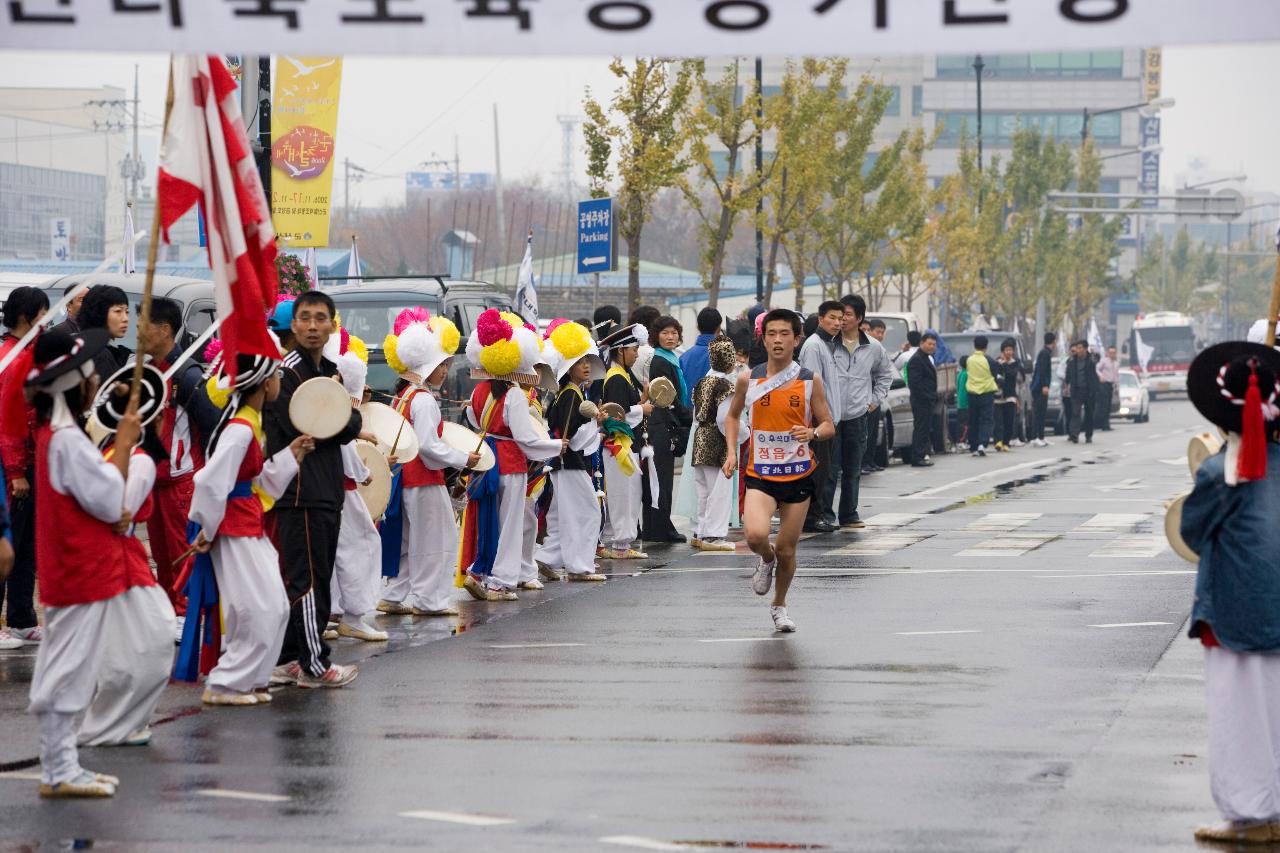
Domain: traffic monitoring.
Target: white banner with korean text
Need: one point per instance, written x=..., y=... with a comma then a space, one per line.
x=628, y=27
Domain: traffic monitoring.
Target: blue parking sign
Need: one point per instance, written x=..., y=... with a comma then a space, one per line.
x=595, y=236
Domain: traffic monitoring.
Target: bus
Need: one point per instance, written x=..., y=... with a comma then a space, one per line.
x=1161, y=347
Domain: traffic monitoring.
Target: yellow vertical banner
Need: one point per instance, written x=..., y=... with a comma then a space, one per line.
x=304, y=124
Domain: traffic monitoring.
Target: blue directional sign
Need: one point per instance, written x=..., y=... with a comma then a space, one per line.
x=595, y=236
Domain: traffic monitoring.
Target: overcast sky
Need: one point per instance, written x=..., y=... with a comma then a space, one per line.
x=398, y=112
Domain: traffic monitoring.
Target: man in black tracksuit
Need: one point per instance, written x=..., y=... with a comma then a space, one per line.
x=310, y=511
x=922, y=381
x=1079, y=388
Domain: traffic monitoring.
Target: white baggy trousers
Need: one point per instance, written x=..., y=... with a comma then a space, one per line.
x=428, y=550
x=1242, y=694
x=573, y=524
x=357, y=569
x=623, y=499
x=255, y=612
x=715, y=502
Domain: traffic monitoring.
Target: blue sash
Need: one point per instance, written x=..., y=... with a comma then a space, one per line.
x=391, y=531
x=482, y=496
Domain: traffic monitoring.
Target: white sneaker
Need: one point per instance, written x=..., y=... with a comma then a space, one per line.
x=982, y=450
x=8, y=641
x=762, y=579
x=1017, y=442
x=177, y=631
x=781, y=621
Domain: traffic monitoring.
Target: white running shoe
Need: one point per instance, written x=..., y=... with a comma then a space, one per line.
x=982, y=450
x=8, y=642
x=1017, y=442
x=762, y=579
x=781, y=621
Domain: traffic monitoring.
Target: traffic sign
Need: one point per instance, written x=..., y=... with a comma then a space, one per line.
x=596, y=234
x=1229, y=203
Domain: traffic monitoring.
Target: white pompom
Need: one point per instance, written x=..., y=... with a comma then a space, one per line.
x=353, y=372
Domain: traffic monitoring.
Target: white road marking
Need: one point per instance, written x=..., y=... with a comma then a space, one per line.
x=894, y=519
x=642, y=843
x=995, y=472
x=1110, y=522
x=1131, y=625
x=1176, y=460
x=1002, y=521
x=741, y=640
x=1135, y=545
x=536, y=645
x=1129, y=444
x=1116, y=574
x=931, y=633
x=231, y=794
x=25, y=775
x=1009, y=545
x=1131, y=484
x=879, y=544
x=459, y=817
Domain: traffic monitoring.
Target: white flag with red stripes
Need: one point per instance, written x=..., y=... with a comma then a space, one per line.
x=206, y=158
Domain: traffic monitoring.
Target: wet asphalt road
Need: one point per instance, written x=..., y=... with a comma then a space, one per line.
x=997, y=663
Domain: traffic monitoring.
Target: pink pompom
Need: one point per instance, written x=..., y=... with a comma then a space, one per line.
x=409, y=316
x=491, y=328
x=212, y=350
x=531, y=327
x=344, y=341
x=552, y=326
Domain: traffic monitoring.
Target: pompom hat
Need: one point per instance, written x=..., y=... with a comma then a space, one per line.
x=568, y=343
x=420, y=343
x=504, y=347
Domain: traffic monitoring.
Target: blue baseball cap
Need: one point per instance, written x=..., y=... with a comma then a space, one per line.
x=282, y=317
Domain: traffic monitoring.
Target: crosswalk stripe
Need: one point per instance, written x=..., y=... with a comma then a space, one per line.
x=1113, y=522
x=1133, y=545
x=880, y=544
x=1008, y=545
x=1002, y=521
x=894, y=519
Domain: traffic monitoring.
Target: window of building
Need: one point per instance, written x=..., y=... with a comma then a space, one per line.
x=895, y=101
x=1022, y=66
x=917, y=100
x=999, y=128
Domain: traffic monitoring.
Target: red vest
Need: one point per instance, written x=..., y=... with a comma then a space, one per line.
x=511, y=459
x=244, y=514
x=415, y=473
x=81, y=559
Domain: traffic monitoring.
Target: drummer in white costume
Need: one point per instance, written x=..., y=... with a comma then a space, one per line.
x=573, y=527
x=101, y=602
x=538, y=476
x=623, y=450
x=420, y=353
x=357, y=569
x=231, y=493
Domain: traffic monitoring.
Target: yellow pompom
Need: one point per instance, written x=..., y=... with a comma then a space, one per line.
x=500, y=358
x=357, y=346
x=337, y=319
x=218, y=396
x=389, y=350
x=513, y=319
x=571, y=341
x=450, y=338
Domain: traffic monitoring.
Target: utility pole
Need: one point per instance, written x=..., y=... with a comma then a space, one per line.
x=759, y=173
x=136, y=170
x=346, y=191
x=978, y=66
x=568, y=129
x=264, y=125
x=457, y=167
x=497, y=183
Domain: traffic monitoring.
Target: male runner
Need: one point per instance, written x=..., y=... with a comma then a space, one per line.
x=784, y=401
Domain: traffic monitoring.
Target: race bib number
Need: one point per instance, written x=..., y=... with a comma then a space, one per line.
x=778, y=454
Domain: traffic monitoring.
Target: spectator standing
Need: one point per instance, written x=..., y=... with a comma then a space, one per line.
x=924, y=400
x=1007, y=371
x=696, y=362
x=604, y=320
x=982, y=388
x=22, y=309
x=668, y=432
x=1041, y=382
x=1108, y=378
x=865, y=375
x=71, y=323
x=1079, y=387
x=818, y=356
x=106, y=307
x=962, y=399
x=877, y=456
x=908, y=349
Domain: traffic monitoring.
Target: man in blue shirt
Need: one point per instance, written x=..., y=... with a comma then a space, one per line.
x=696, y=360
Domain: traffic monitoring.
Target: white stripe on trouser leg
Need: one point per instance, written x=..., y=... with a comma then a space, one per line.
x=511, y=502
x=137, y=654
x=255, y=612
x=309, y=630
x=715, y=493
x=359, y=556
x=1242, y=694
x=572, y=523
x=624, y=497
x=428, y=550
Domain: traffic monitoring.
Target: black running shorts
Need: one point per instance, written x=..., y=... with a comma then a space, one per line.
x=788, y=492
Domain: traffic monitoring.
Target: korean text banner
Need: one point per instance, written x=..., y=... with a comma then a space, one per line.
x=629, y=27
x=304, y=121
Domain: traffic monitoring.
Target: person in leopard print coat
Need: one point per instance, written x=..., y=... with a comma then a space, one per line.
x=715, y=492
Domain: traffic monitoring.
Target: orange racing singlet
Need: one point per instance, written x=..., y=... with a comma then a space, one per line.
x=777, y=404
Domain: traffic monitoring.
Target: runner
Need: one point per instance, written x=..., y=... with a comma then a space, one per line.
x=785, y=401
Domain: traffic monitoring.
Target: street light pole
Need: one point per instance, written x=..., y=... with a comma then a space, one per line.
x=978, y=66
x=759, y=173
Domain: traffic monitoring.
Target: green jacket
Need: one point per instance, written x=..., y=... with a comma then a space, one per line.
x=962, y=393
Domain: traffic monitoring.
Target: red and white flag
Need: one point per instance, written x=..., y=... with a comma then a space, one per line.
x=206, y=158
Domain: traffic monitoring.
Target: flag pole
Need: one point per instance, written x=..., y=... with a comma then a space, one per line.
x=144, y=310
x=1275, y=299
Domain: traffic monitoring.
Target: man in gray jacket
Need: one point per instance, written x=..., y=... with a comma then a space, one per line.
x=818, y=354
x=865, y=376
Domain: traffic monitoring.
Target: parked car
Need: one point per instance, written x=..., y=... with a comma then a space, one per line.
x=896, y=327
x=193, y=294
x=1135, y=399
x=369, y=309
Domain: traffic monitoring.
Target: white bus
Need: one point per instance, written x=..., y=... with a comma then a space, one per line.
x=1161, y=347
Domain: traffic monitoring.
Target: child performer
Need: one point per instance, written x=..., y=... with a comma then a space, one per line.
x=538, y=475
x=419, y=350
x=624, y=442
x=715, y=492
x=788, y=411
x=573, y=520
x=1229, y=519
x=101, y=601
x=357, y=567
x=231, y=493
x=503, y=351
